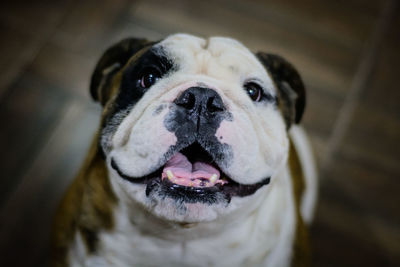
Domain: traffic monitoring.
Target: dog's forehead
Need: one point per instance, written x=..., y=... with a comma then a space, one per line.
x=225, y=52
x=197, y=44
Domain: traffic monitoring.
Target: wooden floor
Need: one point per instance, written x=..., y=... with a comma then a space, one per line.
x=347, y=52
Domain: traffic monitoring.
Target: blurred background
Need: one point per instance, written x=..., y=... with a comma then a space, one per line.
x=346, y=51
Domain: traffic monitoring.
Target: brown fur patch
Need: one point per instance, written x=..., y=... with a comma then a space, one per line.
x=86, y=207
x=301, y=248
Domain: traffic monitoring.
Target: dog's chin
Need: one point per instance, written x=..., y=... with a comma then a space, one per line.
x=177, y=210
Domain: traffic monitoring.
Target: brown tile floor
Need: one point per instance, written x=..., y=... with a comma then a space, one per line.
x=347, y=52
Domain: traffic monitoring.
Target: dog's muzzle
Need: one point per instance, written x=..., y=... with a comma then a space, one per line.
x=192, y=169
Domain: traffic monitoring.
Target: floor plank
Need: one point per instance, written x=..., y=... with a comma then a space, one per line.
x=30, y=208
x=30, y=110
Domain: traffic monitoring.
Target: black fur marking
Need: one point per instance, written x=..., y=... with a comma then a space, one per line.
x=113, y=59
x=186, y=194
x=90, y=238
x=159, y=109
x=269, y=98
x=130, y=91
x=289, y=84
x=194, y=119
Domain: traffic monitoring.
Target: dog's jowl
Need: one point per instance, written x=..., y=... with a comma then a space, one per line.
x=198, y=161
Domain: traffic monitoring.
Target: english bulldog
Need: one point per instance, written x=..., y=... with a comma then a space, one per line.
x=198, y=161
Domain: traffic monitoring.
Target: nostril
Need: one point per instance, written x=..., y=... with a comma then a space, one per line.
x=214, y=104
x=201, y=100
x=187, y=100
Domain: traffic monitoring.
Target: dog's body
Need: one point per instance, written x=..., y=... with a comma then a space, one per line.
x=194, y=164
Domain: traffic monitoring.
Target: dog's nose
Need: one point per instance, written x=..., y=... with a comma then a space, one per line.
x=200, y=100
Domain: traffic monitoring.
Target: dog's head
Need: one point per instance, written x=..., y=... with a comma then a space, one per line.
x=193, y=128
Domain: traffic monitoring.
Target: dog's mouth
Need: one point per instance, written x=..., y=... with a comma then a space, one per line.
x=191, y=175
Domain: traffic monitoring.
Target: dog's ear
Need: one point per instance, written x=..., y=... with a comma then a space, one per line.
x=113, y=59
x=292, y=95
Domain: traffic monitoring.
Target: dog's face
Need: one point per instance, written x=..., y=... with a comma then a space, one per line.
x=194, y=129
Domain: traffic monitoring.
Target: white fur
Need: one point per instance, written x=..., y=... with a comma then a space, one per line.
x=303, y=148
x=77, y=253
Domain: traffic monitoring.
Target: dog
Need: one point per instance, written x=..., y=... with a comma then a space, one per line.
x=198, y=161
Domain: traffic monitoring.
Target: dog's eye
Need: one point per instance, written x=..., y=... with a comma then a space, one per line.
x=253, y=90
x=149, y=77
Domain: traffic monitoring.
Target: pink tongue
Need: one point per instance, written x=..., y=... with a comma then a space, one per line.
x=184, y=173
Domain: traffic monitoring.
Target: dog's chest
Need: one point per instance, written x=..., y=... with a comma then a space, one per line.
x=262, y=239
